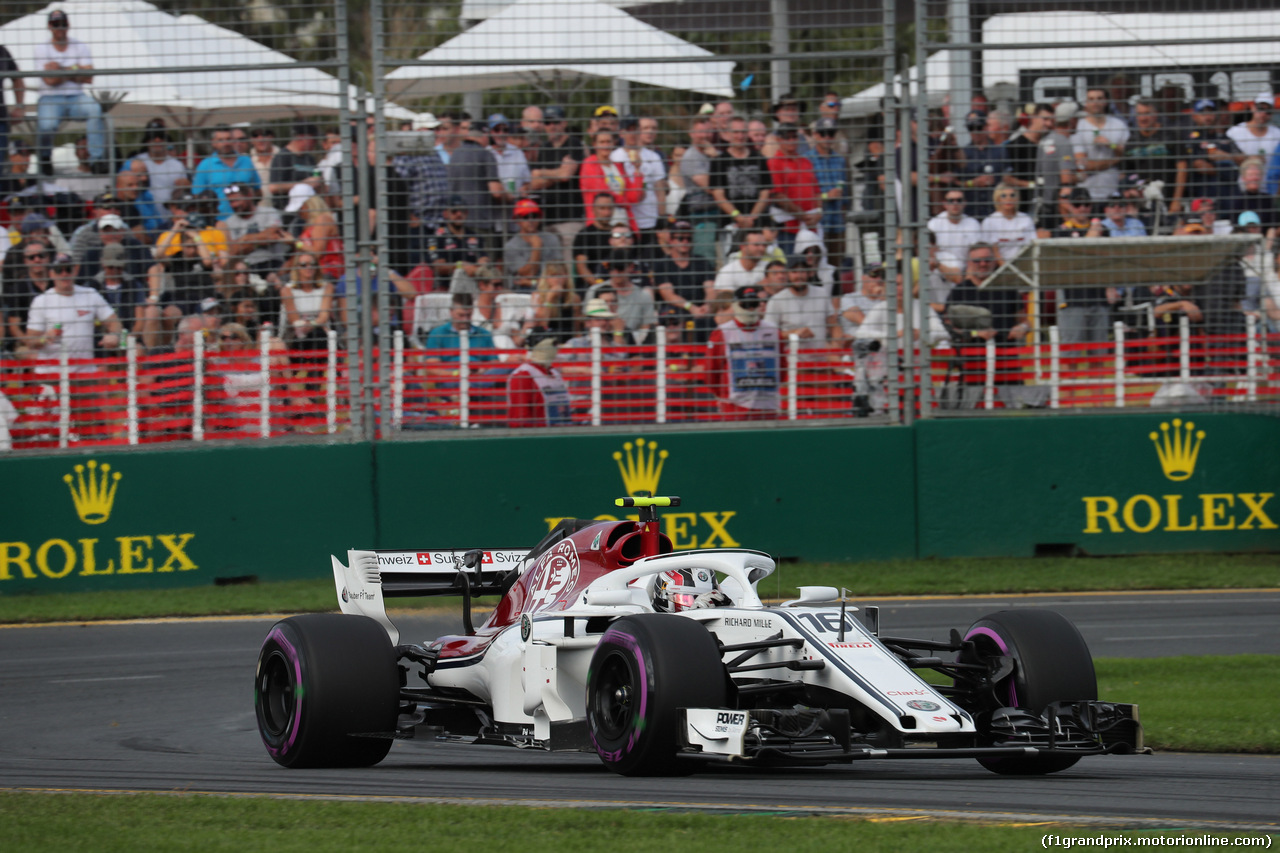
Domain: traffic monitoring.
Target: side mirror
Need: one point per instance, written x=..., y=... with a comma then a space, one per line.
x=814, y=595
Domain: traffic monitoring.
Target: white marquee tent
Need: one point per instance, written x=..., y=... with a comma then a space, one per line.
x=536, y=42
x=132, y=34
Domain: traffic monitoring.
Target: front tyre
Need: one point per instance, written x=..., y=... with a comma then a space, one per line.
x=644, y=670
x=322, y=678
x=1052, y=663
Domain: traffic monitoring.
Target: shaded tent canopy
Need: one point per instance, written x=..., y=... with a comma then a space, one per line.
x=1067, y=262
x=132, y=34
x=541, y=41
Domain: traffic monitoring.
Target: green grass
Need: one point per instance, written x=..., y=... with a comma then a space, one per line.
x=892, y=577
x=1212, y=703
x=971, y=576
x=141, y=822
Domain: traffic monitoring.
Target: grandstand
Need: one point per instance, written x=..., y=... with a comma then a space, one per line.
x=278, y=204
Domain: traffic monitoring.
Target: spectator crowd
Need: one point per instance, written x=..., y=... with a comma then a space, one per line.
x=723, y=230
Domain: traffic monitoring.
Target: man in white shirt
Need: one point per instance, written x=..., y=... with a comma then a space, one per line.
x=64, y=97
x=748, y=268
x=66, y=315
x=634, y=157
x=1098, y=145
x=953, y=232
x=1257, y=137
x=513, y=166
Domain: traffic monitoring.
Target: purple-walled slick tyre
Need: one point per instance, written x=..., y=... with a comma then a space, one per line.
x=321, y=679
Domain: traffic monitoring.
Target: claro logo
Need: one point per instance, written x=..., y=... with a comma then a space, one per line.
x=1177, y=447
x=93, y=490
x=640, y=464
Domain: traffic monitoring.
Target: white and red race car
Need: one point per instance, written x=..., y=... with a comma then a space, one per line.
x=590, y=650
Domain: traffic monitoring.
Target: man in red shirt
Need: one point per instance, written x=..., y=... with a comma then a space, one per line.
x=537, y=395
x=796, y=197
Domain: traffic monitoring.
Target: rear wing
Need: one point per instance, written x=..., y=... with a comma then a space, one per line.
x=418, y=573
x=369, y=577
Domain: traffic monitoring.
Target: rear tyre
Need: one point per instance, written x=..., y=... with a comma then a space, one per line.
x=322, y=678
x=643, y=671
x=1051, y=663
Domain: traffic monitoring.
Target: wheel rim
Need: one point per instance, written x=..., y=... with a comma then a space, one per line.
x=612, y=701
x=277, y=694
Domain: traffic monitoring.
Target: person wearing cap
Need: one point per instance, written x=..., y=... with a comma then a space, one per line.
x=425, y=181
x=635, y=303
x=1099, y=144
x=744, y=360
x=1083, y=308
x=952, y=232
x=182, y=217
x=525, y=254
x=164, y=173
x=537, y=394
x=294, y=164
x=632, y=157
x=1117, y=221
x=831, y=168
x=1257, y=137
x=829, y=108
x=985, y=164
x=513, y=166
x=126, y=295
x=452, y=244
x=255, y=232
x=600, y=174
x=795, y=197
x=604, y=119
x=1206, y=152
x=63, y=97
x=225, y=167
x=740, y=179
x=553, y=176
x=804, y=309
x=684, y=282
x=599, y=316
x=111, y=228
x=66, y=316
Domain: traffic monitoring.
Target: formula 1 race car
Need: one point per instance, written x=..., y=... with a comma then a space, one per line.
x=607, y=640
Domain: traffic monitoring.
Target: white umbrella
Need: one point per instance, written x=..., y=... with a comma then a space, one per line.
x=513, y=48
x=131, y=34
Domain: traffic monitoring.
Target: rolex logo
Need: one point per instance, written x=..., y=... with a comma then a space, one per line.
x=640, y=469
x=93, y=493
x=1178, y=448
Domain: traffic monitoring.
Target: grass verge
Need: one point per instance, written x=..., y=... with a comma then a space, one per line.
x=1210, y=703
x=152, y=822
x=891, y=577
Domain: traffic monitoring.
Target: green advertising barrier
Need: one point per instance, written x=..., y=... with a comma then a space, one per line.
x=179, y=518
x=821, y=494
x=990, y=487
x=1099, y=485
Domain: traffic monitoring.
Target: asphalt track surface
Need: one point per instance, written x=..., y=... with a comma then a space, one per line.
x=167, y=706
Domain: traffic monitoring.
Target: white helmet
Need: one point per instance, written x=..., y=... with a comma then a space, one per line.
x=680, y=589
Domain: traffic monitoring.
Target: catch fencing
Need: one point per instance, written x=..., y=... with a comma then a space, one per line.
x=882, y=142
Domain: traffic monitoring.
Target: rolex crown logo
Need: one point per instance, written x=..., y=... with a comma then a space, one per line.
x=94, y=492
x=1178, y=448
x=640, y=469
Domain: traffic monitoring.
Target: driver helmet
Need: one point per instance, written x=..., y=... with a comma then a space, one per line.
x=679, y=589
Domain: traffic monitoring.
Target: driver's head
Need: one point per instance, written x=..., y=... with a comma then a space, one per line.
x=679, y=590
